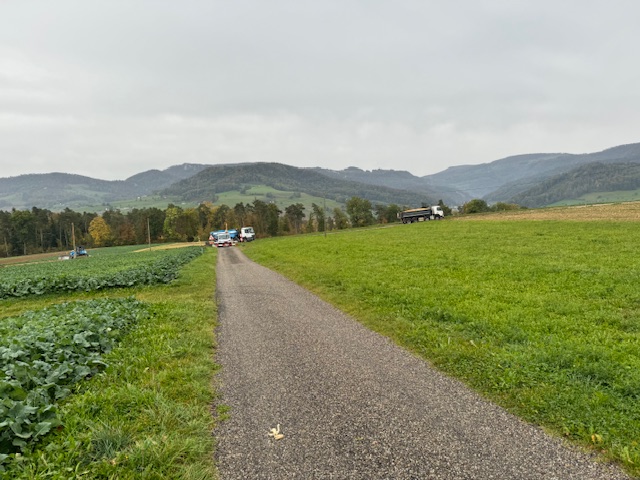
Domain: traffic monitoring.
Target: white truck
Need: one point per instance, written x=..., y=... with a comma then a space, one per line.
x=247, y=234
x=421, y=214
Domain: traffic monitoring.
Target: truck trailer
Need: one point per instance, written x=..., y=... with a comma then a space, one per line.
x=421, y=214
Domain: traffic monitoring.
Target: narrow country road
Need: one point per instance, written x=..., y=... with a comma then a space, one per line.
x=351, y=404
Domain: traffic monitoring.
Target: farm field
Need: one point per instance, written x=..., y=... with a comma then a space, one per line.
x=603, y=197
x=270, y=195
x=539, y=315
x=622, y=212
x=113, y=382
x=104, y=270
x=260, y=192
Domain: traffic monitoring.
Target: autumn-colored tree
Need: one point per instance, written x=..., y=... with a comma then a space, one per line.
x=100, y=232
x=126, y=234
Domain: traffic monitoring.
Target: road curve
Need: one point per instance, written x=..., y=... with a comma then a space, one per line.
x=351, y=404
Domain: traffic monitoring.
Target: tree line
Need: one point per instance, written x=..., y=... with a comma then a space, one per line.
x=24, y=232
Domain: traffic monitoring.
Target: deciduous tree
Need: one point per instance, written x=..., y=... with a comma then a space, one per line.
x=100, y=232
x=359, y=211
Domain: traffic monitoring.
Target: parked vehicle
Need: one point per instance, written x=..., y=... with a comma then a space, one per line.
x=247, y=234
x=77, y=253
x=213, y=236
x=223, y=240
x=421, y=214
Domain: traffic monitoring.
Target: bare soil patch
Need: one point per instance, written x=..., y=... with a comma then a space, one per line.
x=37, y=257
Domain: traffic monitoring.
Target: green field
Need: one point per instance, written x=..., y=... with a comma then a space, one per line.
x=257, y=192
x=100, y=270
x=541, y=316
x=271, y=195
x=110, y=383
x=601, y=197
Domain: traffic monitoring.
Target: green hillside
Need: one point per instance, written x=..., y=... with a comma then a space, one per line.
x=589, y=181
x=219, y=179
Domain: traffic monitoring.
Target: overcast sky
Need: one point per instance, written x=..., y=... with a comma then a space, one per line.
x=110, y=88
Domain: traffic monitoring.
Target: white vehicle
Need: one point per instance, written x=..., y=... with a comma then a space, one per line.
x=247, y=234
x=223, y=240
x=421, y=214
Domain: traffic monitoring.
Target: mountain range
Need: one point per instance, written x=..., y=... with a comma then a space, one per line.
x=531, y=180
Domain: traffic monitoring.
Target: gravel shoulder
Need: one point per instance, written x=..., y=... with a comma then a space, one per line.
x=350, y=403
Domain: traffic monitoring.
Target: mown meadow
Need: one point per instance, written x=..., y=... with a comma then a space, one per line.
x=106, y=366
x=542, y=317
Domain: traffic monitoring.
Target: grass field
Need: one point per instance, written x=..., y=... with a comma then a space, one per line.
x=280, y=198
x=541, y=316
x=257, y=192
x=148, y=414
x=602, y=197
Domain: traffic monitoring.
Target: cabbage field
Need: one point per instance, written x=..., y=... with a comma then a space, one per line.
x=120, y=319
x=95, y=273
x=44, y=353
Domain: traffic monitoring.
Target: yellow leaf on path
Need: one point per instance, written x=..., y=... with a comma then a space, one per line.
x=275, y=433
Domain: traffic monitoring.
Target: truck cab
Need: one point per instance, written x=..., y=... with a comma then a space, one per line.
x=247, y=234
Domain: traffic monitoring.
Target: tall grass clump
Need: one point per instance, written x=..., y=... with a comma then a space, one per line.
x=542, y=317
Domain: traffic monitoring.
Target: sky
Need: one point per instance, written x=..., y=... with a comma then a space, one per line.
x=108, y=89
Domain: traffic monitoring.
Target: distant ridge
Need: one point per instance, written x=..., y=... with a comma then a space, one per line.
x=398, y=179
x=503, y=179
x=534, y=179
x=584, y=179
x=56, y=191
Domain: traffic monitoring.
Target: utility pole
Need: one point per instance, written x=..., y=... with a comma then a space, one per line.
x=148, y=234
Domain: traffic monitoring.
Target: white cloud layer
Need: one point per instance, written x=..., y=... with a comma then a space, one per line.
x=110, y=89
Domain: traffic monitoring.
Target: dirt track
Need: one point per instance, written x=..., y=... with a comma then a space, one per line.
x=350, y=404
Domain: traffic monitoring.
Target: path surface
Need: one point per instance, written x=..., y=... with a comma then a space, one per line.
x=351, y=404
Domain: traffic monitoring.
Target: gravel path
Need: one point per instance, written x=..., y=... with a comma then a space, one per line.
x=351, y=404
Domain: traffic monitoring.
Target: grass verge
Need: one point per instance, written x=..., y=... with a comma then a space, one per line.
x=148, y=415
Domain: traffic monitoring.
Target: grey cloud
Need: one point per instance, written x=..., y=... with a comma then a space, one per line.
x=415, y=85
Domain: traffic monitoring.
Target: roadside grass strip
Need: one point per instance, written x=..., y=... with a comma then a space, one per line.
x=148, y=414
x=95, y=273
x=542, y=317
x=43, y=354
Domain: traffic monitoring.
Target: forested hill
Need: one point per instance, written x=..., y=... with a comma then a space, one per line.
x=56, y=191
x=49, y=190
x=593, y=177
x=502, y=179
x=398, y=179
x=224, y=178
x=533, y=179
x=153, y=180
